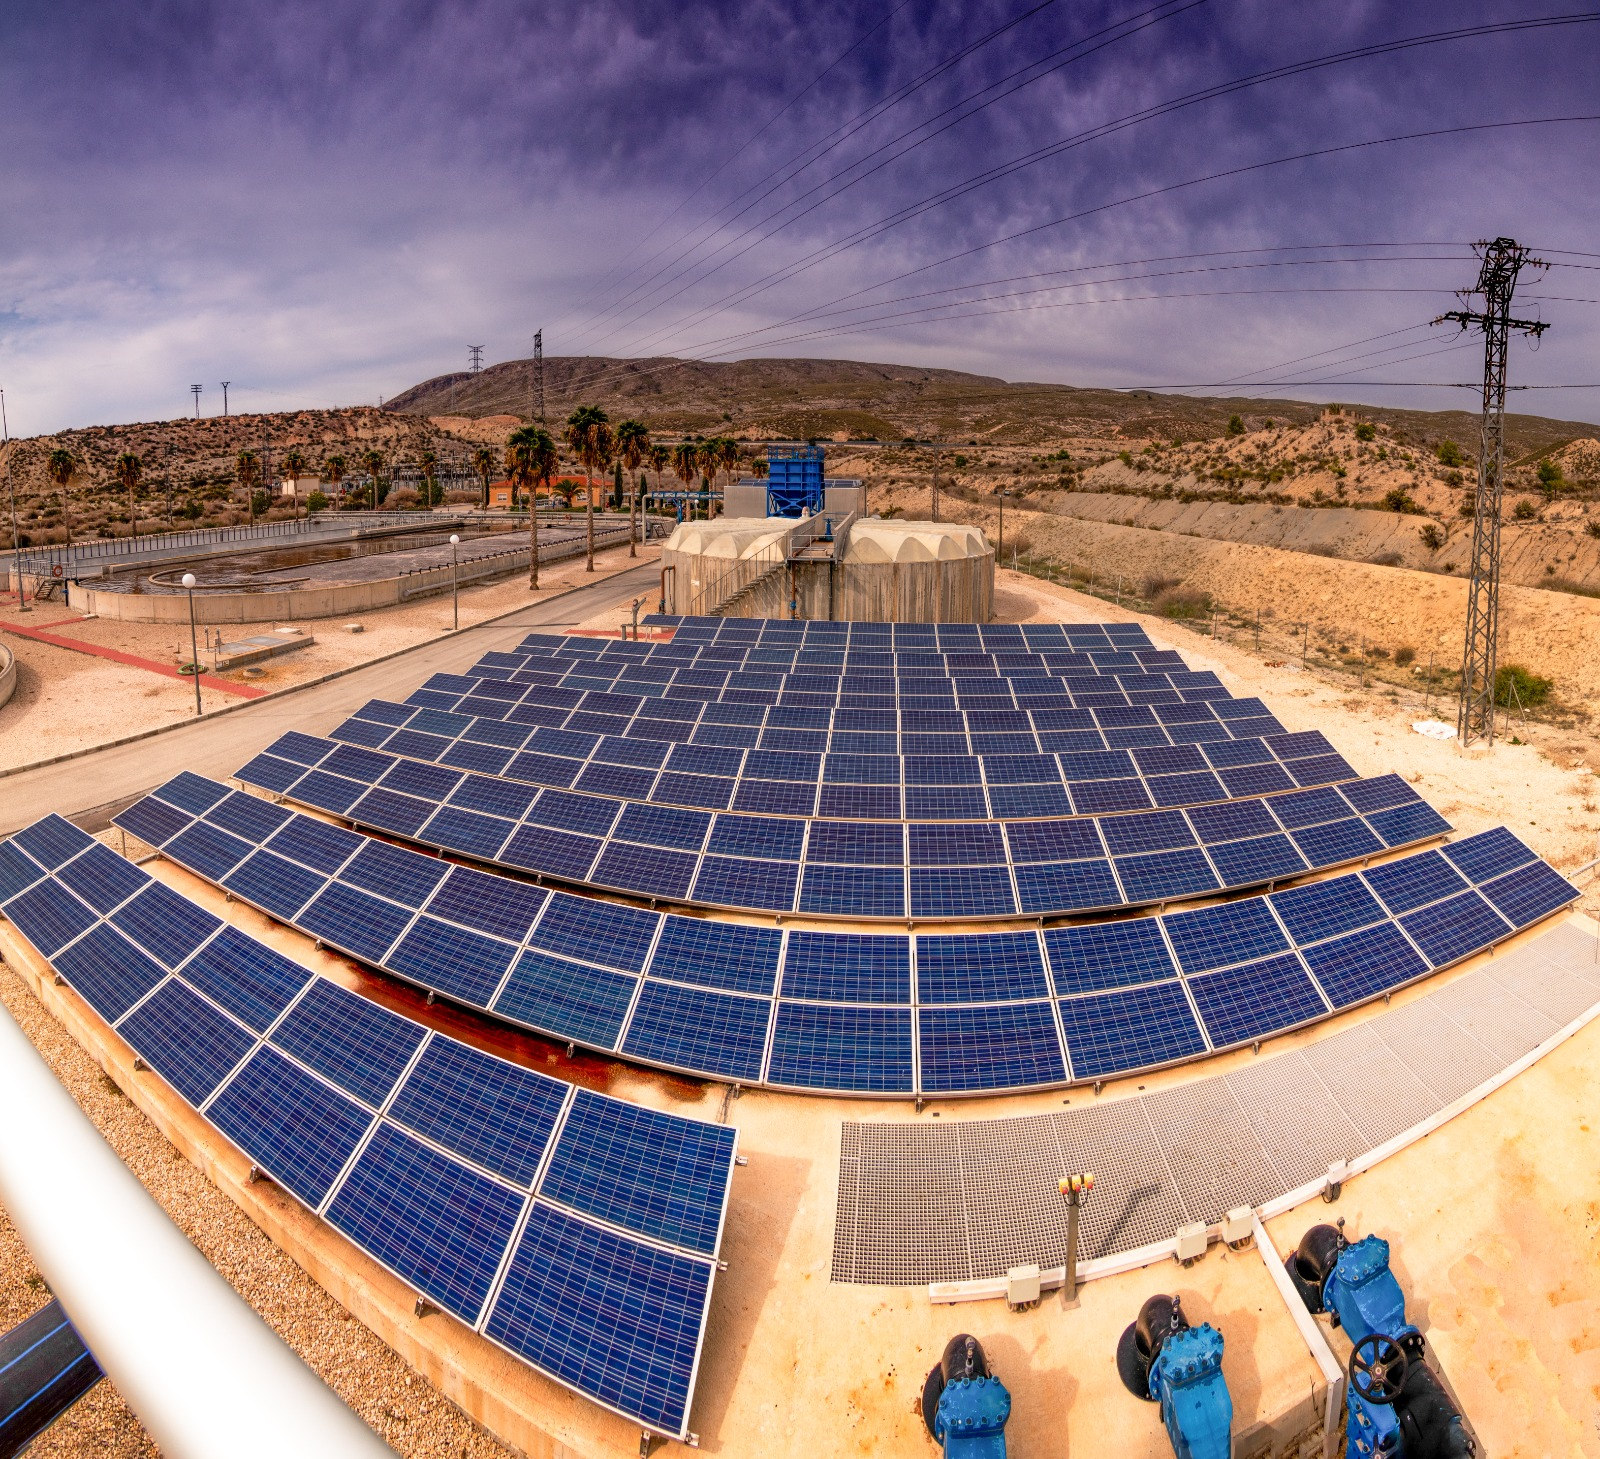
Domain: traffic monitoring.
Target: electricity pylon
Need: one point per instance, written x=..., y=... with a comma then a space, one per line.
x=1503, y=260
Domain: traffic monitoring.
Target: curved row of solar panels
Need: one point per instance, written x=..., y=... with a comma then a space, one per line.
x=868, y=1013
x=578, y=1232
x=855, y=869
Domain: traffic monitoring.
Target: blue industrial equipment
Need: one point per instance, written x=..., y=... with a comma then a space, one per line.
x=1396, y=1407
x=1163, y=1360
x=964, y=1405
x=794, y=481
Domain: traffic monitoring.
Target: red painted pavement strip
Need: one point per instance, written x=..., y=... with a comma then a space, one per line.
x=210, y=681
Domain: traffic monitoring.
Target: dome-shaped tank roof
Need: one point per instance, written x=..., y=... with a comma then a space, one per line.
x=875, y=540
x=730, y=537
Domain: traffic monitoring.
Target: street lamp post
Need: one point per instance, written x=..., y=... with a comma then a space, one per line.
x=455, y=584
x=1000, y=550
x=194, y=648
x=1073, y=1189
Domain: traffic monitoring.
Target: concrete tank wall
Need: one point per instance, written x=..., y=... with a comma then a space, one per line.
x=8, y=673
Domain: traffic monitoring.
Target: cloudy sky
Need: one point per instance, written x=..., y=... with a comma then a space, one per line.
x=326, y=201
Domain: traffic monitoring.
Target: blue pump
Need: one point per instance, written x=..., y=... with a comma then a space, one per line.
x=964, y=1406
x=1395, y=1406
x=1164, y=1360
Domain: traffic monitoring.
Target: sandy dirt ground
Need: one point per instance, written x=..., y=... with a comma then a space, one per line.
x=67, y=701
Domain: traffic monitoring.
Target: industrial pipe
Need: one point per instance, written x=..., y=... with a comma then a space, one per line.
x=206, y=1376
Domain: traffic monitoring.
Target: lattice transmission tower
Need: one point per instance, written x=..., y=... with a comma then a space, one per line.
x=475, y=358
x=1503, y=260
x=538, y=374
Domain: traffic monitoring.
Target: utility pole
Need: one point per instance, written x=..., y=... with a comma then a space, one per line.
x=195, y=391
x=475, y=354
x=935, y=512
x=538, y=374
x=11, y=481
x=225, y=385
x=1503, y=260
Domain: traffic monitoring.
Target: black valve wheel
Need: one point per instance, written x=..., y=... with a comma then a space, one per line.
x=1378, y=1368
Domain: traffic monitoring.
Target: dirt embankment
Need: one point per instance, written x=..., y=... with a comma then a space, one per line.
x=1530, y=553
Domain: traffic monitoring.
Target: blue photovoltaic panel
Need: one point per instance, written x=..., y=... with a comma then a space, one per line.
x=107, y=971
x=152, y=821
x=1454, y=928
x=1067, y=886
x=1378, y=793
x=1165, y=875
x=296, y=1128
x=1260, y=998
x=847, y=967
x=1232, y=821
x=1000, y=1046
x=164, y=924
x=484, y=1109
x=193, y=793
x=1414, y=881
x=653, y=1174
x=49, y=916
x=186, y=1041
x=451, y=960
x=1523, y=896
x=316, y=844
x=1110, y=955
x=980, y=968
x=718, y=955
x=17, y=872
x=765, y=837
x=538, y=848
x=647, y=870
x=440, y=1227
x=209, y=851
x=853, y=891
x=1407, y=823
x=353, y=1042
x=961, y=891
x=102, y=878
x=247, y=816
x=493, y=904
x=251, y=981
x=1336, y=841
x=1363, y=964
x=597, y=932
x=1108, y=1033
x=480, y=837
x=270, y=773
x=355, y=921
x=302, y=749
x=867, y=1050
x=1033, y=841
x=607, y=1315
x=574, y=1002
x=328, y=792
x=278, y=886
x=1327, y=908
x=1263, y=858
x=1486, y=855
x=1157, y=831
x=738, y=882
x=1234, y=932
x=721, y=1034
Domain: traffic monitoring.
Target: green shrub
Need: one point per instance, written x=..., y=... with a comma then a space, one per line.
x=1450, y=454
x=1453, y=478
x=1550, y=474
x=317, y=502
x=1404, y=656
x=1126, y=457
x=1398, y=499
x=1235, y=426
x=1524, y=511
x=1366, y=431
x=1152, y=588
x=1592, y=528
x=1183, y=603
x=1467, y=508
x=1432, y=537
x=1514, y=685
x=960, y=461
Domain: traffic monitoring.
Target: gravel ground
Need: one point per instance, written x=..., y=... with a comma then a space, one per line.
x=70, y=701
x=407, y=1411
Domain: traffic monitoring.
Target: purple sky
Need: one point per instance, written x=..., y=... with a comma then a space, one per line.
x=326, y=202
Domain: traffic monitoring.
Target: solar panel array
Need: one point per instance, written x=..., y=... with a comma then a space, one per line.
x=868, y=1013
x=578, y=1232
x=886, y=870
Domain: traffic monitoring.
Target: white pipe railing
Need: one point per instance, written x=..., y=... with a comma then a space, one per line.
x=206, y=1376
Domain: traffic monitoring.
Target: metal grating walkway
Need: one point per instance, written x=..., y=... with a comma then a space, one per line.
x=966, y=1200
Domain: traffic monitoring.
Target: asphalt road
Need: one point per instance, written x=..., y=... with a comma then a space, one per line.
x=90, y=788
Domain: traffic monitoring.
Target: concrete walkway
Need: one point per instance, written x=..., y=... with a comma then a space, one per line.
x=90, y=787
x=132, y=661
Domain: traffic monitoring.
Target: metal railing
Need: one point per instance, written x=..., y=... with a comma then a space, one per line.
x=430, y=579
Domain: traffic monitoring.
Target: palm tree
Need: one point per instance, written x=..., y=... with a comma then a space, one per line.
x=333, y=470
x=530, y=459
x=660, y=458
x=373, y=461
x=685, y=464
x=483, y=464
x=129, y=469
x=428, y=461
x=633, y=444
x=293, y=468
x=729, y=456
x=247, y=471
x=60, y=467
x=708, y=456
x=589, y=435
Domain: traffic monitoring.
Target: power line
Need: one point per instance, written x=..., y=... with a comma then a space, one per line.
x=1006, y=169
